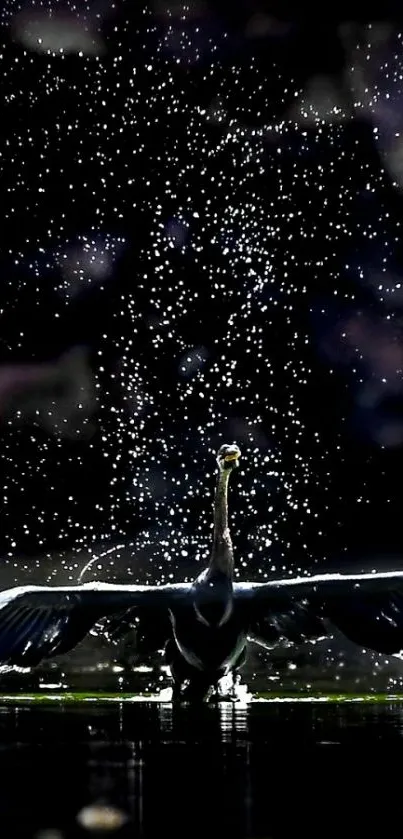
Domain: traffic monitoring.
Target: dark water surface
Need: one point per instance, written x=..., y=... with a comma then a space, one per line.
x=263, y=770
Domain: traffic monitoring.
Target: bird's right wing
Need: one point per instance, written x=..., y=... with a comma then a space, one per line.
x=366, y=608
x=38, y=622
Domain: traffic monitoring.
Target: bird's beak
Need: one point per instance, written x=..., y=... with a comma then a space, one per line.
x=232, y=456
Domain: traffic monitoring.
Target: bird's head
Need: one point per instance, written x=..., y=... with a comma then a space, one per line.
x=228, y=457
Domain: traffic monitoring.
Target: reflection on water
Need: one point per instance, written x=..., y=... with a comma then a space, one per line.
x=226, y=771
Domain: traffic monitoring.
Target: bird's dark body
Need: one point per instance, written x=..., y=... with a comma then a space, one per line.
x=208, y=648
x=204, y=626
x=201, y=654
x=197, y=653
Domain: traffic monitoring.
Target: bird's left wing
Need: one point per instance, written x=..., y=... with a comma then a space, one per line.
x=366, y=608
x=38, y=622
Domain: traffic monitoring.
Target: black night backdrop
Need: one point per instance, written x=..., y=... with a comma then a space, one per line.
x=200, y=243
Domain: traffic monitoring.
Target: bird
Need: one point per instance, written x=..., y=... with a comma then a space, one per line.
x=209, y=623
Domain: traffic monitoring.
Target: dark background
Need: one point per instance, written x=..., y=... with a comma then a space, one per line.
x=239, y=197
x=200, y=242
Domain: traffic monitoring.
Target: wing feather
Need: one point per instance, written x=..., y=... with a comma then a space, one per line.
x=366, y=608
x=37, y=622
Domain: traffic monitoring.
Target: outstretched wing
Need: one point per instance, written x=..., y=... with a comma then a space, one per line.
x=366, y=608
x=39, y=622
x=135, y=634
x=294, y=622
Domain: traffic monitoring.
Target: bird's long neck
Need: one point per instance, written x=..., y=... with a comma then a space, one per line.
x=222, y=557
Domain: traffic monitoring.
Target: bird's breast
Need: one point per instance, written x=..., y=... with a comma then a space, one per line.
x=208, y=647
